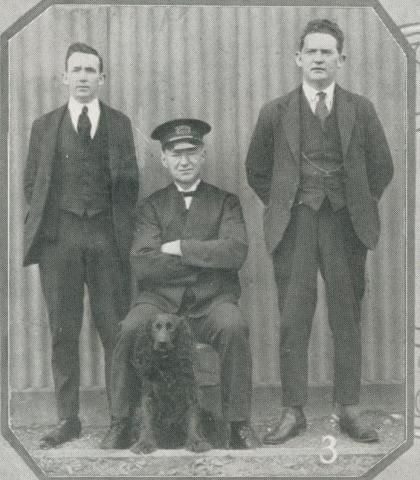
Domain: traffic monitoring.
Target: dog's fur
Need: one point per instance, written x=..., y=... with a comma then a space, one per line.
x=169, y=411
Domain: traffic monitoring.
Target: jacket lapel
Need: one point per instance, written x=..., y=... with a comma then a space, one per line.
x=291, y=123
x=49, y=145
x=113, y=142
x=200, y=212
x=346, y=115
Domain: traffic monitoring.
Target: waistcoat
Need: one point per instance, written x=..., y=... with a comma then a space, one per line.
x=321, y=159
x=85, y=181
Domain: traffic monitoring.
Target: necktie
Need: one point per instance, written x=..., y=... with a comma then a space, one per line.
x=84, y=126
x=321, y=110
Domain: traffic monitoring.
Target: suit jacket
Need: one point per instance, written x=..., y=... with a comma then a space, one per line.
x=41, y=174
x=214, y=246
x=273, y=162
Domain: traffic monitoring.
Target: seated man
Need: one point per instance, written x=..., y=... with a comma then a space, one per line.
x=190, y=241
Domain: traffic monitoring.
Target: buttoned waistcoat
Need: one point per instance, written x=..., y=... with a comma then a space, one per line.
x=273, y=162
x=41, y=173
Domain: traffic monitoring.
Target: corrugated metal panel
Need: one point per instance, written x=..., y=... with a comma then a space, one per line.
x=220, y=64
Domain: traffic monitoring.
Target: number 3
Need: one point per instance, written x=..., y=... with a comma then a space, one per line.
x=328, y=452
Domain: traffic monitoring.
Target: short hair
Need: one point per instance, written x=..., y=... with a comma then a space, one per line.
x=83, y=48
x=323, y=25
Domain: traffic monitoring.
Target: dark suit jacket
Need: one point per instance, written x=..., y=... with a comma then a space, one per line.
x=274, y=156
x=214, y=246
x=40, y=175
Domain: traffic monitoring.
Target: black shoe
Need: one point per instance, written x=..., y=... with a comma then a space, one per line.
x=118, y=435
x=63, y=432
x=291, y=424
x=242, y=436
x=357, y=429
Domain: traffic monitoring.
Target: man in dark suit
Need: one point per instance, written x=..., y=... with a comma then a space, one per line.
x=81, y=185
x=319, y=161
x=190, y=241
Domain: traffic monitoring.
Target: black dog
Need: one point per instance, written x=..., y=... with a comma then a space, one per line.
x=169, y=412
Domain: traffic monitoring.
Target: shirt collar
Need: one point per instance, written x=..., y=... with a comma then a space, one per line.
x=310, y=93
x=94, y=111
x=193, y=187
x=75, y=107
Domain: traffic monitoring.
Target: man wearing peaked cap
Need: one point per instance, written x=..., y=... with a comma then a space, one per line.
x=190, y=242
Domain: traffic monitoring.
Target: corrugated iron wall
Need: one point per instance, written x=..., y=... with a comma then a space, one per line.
x=219, y=64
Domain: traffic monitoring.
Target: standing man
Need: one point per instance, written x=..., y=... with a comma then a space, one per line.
x=319, y=161
x=81, y=185
x=189, y=245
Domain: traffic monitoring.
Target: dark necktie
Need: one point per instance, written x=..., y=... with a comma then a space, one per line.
x=84, y=126
x=321, y=110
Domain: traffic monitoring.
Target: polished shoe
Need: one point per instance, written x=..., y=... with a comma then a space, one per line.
x=118, y=435
x=291, y=424
x=242, y=436
x=357, y=429
x=65, y=430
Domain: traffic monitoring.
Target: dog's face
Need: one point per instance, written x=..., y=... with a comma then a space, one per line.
x=163, y=331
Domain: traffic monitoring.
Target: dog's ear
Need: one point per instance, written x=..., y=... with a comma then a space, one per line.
x=142, y=349
x=183, y=335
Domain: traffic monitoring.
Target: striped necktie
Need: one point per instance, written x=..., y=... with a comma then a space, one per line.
x=321, y=110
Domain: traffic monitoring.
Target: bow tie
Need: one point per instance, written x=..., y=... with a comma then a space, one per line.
x=193, y=193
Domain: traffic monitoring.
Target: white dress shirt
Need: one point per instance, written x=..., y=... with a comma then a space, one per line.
x=94, y=111
x=193, y=188
x=313, y=98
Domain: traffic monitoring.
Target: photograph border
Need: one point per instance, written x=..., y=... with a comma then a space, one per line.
x=40, y=8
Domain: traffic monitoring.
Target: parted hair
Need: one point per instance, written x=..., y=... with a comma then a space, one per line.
x=323, y=25
x=83, y=48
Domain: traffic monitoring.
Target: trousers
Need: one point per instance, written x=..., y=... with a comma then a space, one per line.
x=222, y=327
x=320, y=240
x=84, y=253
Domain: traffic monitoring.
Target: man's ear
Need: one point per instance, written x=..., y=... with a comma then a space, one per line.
x=101, y=79
x=203, y=155
x=341, y=59
x=65, y=78
x=298, y=58
x=163, y=159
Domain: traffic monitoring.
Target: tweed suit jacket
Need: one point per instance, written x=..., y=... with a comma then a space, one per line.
x=214, y=246
x=41, y=175
x=273, y=162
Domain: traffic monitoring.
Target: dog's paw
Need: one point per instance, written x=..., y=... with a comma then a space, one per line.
x=198, y=444
x=144, y=445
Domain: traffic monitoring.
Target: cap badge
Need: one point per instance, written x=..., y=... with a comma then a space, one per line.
x=183, y=130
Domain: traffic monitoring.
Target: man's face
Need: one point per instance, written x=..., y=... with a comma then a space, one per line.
x=83, y=77
x=319, y=59
x=184, y=165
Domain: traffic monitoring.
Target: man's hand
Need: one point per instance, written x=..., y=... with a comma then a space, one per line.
x=172, y=248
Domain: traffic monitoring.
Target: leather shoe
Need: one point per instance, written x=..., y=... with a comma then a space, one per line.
x=243, y=436
x=291, y=424
x=357, y=429
x=118, y=435
x=65, y=430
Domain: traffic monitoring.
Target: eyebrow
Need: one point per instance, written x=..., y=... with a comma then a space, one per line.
x=89, y=69
x=324, y=50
